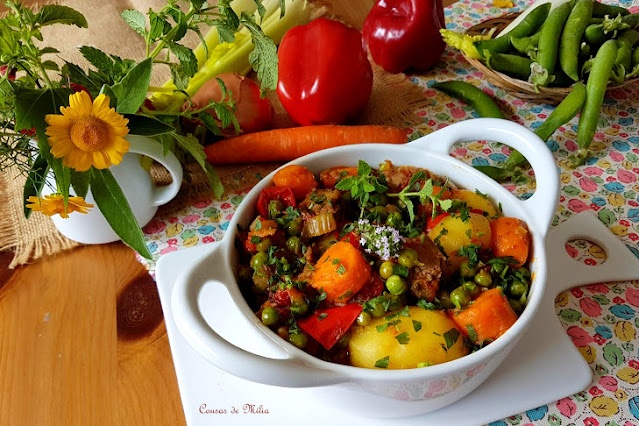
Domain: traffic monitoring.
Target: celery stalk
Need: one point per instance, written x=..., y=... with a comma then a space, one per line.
x=233, y=57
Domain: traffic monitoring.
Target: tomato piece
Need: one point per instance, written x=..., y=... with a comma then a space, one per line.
x=281, y=193
x=327, y=326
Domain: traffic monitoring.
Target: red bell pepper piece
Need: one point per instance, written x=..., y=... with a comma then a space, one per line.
x=282, y=193
x=403, y=34
x=327, y=326
x=11, y=75
x=324, y=73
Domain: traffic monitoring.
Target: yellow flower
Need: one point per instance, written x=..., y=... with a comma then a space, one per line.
x=54, y=204
x=87, y=133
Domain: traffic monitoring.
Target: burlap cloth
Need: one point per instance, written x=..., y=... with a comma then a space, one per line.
x=392, y=102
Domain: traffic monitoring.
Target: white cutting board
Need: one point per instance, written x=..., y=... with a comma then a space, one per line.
x=543, y=368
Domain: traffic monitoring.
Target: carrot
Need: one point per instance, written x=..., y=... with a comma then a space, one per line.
x=289, y=144
x=300, y=179
x=341, y=272
x=267, y=228
x=490, y=315
x=330, y=177
x=510, y=237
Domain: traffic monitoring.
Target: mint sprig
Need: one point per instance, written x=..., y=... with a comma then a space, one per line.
x=366, y=182
x=425, y=193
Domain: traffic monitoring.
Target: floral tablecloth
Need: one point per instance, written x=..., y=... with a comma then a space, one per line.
x=602, y=319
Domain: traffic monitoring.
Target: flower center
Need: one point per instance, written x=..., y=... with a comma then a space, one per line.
x=89, y=134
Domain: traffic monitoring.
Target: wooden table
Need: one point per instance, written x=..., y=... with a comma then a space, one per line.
x=82, y=336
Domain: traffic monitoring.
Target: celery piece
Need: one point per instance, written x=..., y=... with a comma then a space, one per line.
x=233, y=57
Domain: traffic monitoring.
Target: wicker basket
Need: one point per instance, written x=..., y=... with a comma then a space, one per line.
x=519, y=88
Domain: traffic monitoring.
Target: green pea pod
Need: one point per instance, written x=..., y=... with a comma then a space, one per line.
x=595, y=92
x=472, y=95
x=635, y=56
x=512, y=65
x=594, y=34
x=549, y=45
x=601, y=10
x=529, y=25
x=526, y=44
x=631, y=21
x=570, y=42
x=565, y=111
x=623, y=63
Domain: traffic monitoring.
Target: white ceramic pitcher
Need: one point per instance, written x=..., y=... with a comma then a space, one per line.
x=143, y=195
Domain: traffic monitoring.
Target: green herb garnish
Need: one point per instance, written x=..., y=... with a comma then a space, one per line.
x=382, y=363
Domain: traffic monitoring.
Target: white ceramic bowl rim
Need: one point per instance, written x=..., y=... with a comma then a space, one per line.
x=303, y=369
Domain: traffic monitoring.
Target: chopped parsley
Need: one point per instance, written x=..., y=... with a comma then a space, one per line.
x=322, y=316
x=383, y=362
x=255, y=239
x=472, y=334
x=403, y=338
x=424, y=364
x=341, y=270
x=435, y=305
x=417, y=325
x=471, y=251
x=335, y=261
x=478, y=192
x=383, y=327
x=451, y=337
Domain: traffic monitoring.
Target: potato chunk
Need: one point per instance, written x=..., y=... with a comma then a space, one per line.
x=475, y=201
x=421, y=338
x=453, y=232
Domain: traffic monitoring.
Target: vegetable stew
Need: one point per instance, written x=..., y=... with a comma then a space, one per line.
x=391, y=268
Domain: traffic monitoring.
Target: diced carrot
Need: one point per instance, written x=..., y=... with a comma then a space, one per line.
x=266, y=228
x=330, y=177
x=510, y=237
x=341, y=272
x=490, y=315
x=294, y=142
x=300, y=179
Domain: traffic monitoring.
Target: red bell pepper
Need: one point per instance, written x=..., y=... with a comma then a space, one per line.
x=282, y=193
x=324, y=73
x=11, y=75
x=403, y=34
x=327, y=326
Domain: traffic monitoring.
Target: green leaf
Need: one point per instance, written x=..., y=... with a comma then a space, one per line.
x=226, y=33
x=97, y=58
x=261, y=10
x=403, y=338
x=383, y=362
x=35, y=181
x=112, y=203
x=136, y=20
x=209, y=122
x=58, y=14
x=80, y=182
x=147, y=126
x=113, y=99
x=417, y=325
x=131, y=91
x=263, y=58
x=497, y=173
x=451, y=337
x=179, y=77
x=186, y=57
x=159, y=26
x=191, y=145
x=214, y=181
x=282, y=8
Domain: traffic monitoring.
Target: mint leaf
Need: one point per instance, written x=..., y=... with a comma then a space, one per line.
x=263, y=58
x=116, y=210
x=209, y=122
x=158, y=26
x=131, y=91
x=136, y=20
x=97, y=58
x=57, y=14
x=186, y=57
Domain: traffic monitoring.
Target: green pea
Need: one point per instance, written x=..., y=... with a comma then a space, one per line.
x=386, y=269
x=270, y=316
x=294, y=227
x=517, y=289
x=396, y=285
x=408, y=257
x=364, y=318
x=298, y=339
x=275, y=208
x=471, y=288
x=444, y=298
x=397, y=302
x=244, y=273
x=258, y=260
x=264, y=244
x=294, y=244
x=378, y=310
x=517, y=307
x=483, y=278
x=459, y=297
x=260, y=282
x=299, y=307
x=466, y=271
x=343, y=341
x=394, y=219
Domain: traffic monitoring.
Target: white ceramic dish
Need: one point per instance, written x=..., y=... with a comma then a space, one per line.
x=381, y=393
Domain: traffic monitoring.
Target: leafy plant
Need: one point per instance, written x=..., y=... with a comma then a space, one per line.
x=33, y=86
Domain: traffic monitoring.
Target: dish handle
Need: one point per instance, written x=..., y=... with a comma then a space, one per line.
x=288, y=372
x=544, y=201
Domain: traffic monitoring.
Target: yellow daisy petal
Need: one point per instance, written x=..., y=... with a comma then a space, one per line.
x=99, y=160
x=58, y=121
x=81, y=101
x=100, y=104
